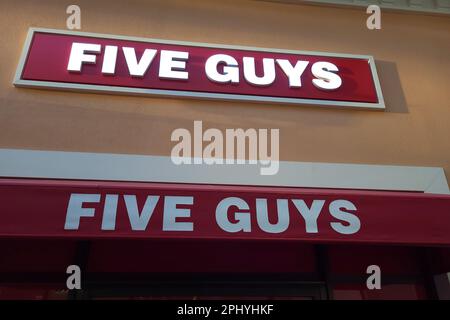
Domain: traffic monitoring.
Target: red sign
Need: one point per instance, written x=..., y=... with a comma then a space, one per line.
x=101, y=63
x=75, y=209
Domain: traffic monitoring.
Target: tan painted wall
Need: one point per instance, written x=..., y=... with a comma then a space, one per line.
x=412, y=53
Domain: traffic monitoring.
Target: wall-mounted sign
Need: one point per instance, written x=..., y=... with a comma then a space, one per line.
x=70, y=60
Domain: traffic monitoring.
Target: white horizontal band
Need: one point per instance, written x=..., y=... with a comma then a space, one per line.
x=144, y=168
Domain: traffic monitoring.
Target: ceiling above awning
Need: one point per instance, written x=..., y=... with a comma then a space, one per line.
x=419, y=6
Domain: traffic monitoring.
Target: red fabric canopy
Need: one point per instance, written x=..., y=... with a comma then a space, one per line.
x=92, y=210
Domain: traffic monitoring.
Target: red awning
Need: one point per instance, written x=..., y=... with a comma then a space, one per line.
x=92, y=210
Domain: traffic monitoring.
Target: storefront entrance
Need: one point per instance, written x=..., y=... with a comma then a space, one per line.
x=213, y=269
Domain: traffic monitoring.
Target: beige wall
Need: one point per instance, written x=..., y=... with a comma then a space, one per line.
x=412, y=53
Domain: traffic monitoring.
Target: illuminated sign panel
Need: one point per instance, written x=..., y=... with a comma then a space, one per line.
x=115, y=64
